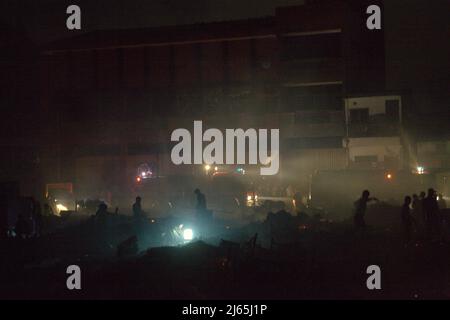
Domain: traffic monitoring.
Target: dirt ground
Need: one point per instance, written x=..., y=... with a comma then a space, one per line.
x=324, y=260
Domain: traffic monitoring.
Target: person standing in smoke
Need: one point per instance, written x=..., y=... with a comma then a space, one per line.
x=102, y=211
x=431, y=210
x=200, y=207
x=416, y=206
x=360, y=210
x=417, y=213
x=407, y=220
x=137, y=209
x=201, y=200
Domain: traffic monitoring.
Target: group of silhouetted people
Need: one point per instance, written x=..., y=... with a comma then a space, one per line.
x=139, y=214
x=427, y=213
x=423, y=213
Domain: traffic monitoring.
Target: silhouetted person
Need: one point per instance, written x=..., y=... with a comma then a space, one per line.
x=102, y=211
x=416, y=206
x=201, y=203
x=407, y=220
x=360, y=209
x=431, y=209
x=137, y=208
x=201, y=200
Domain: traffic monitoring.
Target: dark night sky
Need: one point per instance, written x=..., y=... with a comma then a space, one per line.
x=417, y=31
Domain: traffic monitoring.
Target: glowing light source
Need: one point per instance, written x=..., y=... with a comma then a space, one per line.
x=216, y=168
x=420, y=170
x=188, y=234
x=389, y=176
x=61, y=207
x=138, y=179
x=207, y=167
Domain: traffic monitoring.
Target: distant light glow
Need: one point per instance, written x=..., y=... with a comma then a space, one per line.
x=138, y=179
x=420, y=170
x=207, y=167
x=188, y=234
x=389, y=176
x=61, y=207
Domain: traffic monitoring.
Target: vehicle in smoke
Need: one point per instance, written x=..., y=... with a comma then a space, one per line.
x=60, y=197
x=225, y=193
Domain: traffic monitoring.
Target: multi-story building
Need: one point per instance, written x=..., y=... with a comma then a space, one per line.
x=112, y=98
x=374, y=133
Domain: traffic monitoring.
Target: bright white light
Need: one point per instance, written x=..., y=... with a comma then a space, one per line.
x=61, y=207
x=249, y=198
x=216, y=168
x=188, y=234
x=420, y=170
x=143, y=174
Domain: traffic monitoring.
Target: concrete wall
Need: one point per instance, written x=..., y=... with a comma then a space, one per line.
x=380, y=147
x=375, y=104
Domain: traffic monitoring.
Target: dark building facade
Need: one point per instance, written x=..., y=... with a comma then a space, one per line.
x=112, y=98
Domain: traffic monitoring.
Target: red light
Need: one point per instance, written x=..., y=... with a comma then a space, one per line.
x=138, y=179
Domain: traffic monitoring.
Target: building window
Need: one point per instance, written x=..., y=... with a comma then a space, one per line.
x=359, y=115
